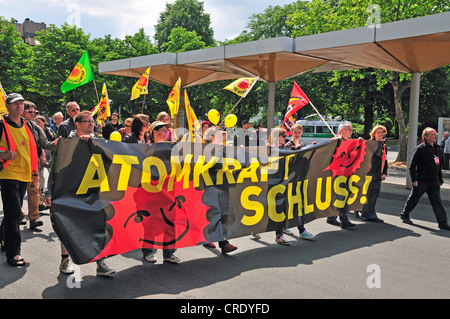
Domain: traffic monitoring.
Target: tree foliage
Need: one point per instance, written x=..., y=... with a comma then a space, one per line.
x=188, y=14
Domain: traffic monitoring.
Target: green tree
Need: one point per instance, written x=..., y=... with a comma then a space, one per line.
x=330, y=15
x=181, y=40
x=14, y=56
x=188, y=14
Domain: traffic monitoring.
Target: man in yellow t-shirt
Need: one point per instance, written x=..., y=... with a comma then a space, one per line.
x=19, y=159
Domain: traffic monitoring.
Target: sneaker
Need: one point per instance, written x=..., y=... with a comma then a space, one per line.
x=306, y=235
x=228, y=248
x=444, y=226
x=150, y=258
x=172, y=259
x=23, y=221
x=103, y=269
x=35, y=223
x=64, y=267
x=287, y=232
x=281, y=241
x=256, y=236
x=210, y=245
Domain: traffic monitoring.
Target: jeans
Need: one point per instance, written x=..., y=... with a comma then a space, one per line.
x=13, y=192
x=369, y=210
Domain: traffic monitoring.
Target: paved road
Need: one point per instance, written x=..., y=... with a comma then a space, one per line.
x=412, y=261
x=397, y=260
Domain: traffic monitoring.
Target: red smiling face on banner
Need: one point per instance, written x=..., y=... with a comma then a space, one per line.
x=157, y=220
x=348, y=157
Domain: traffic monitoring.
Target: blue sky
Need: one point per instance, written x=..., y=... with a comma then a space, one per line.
x=120, y=18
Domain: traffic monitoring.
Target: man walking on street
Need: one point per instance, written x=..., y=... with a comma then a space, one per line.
x=20, y=167
x=426, y=176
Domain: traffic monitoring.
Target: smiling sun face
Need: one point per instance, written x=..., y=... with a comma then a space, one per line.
x=157, y=220
x=348, y=157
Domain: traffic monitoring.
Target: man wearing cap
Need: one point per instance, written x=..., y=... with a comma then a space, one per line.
x=20, y=166
x=112, y=126
x=158, y=132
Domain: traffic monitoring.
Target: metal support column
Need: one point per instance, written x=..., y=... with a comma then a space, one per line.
x=271, y=107
x=413, y=120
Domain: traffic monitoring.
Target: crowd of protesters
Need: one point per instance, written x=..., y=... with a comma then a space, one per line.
x=23, y=167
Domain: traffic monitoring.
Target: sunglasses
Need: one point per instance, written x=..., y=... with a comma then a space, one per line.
x=30, y=111
x=87, y=121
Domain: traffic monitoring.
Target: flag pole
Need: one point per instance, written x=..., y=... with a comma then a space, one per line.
x=143, y=102
x=322, y=118
x=96, y=92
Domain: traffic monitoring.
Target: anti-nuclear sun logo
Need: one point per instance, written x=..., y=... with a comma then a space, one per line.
x=348, y=157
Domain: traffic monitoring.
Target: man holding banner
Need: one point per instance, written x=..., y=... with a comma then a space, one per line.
x=84, y=124
x=345, y=131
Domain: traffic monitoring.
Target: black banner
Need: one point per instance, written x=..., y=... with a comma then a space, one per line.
x=111, y=197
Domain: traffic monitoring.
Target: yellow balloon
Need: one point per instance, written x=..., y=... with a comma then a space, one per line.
x=116, y=136
x=214, y=116
x=230, y=120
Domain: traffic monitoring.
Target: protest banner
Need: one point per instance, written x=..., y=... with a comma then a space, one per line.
x=110, y=197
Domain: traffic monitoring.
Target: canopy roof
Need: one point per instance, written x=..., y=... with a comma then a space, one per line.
x=414, y=45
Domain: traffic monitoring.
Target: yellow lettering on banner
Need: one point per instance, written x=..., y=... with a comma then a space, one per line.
x=272, y=165
x=294, y=199
x=95, y=166
x=363, y=199
x=126, y=161
x=308, y=208
x=342, y=191
x=226, y=163
x=272, y=205
x=200, y=169
x=323, y=205
x=146, y=179
x=179, y=173
x=252, y=205
x=353, y=189
x=286, y=166
x=249, y=172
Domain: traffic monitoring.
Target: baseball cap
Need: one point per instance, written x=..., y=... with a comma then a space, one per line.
x=14, y=97
x=155, y=125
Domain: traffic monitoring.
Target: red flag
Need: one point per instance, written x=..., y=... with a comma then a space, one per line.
x=296, y=102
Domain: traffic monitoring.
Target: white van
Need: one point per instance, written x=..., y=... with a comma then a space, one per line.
x=318, y=131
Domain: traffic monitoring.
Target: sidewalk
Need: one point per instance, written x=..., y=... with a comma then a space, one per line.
x=394, y=187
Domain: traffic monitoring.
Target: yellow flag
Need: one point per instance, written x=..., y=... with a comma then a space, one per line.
x=174, y=99
x=242, y=86
x=193, y=123
x=3, y=109
x=141, y=86
x=102, y=108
